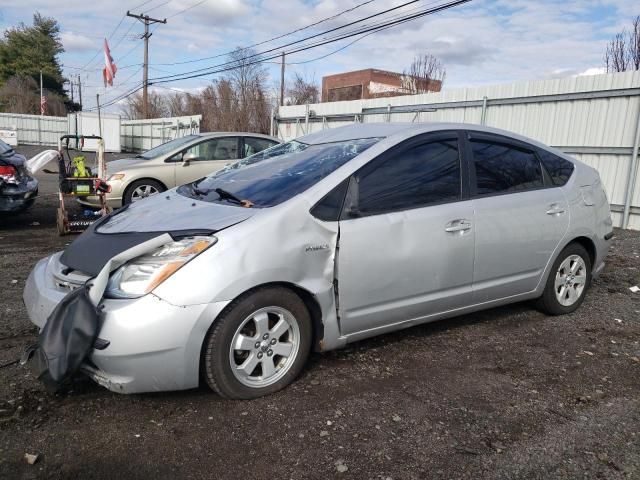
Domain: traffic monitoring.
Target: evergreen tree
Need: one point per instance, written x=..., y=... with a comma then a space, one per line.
x=27, y=50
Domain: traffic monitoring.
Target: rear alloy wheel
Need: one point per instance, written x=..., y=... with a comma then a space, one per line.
x=258, y=345
x=141, y=189
x=568, y=281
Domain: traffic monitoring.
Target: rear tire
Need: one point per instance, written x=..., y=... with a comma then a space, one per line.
x=258, y=345
x=568, y=281
x=141, y=189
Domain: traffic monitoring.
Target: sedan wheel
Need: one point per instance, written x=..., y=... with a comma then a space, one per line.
x=264, y=347
x=258, y=344
x=568, y=281
x=141, y=189
x=571, y=278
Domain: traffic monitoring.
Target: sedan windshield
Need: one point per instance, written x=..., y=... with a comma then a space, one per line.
x=275, y=175
x=167, y=147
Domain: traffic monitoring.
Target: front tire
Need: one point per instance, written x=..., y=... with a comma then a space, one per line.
x=568, y=281
x=141, y=189
x=258, y=345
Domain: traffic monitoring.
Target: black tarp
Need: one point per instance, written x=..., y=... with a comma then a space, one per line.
x=66, y=339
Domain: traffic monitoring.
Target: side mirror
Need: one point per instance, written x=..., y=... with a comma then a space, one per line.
x=353, y=212
x=351, y=209
x=187, y=158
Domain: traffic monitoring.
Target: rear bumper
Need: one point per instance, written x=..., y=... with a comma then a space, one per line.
x=14, y=198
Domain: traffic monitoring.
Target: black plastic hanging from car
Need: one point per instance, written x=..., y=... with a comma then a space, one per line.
x=66, y=339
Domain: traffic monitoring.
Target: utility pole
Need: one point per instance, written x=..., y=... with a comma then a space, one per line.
x=80, y=92
x=282, y=82
x=147, y=20
x=41, y=96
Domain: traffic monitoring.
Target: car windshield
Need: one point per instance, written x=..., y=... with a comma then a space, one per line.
x=275, y=175
x=167, y=147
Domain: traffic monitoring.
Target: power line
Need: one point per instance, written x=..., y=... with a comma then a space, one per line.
x=277, y=37
x=363, y=31
x=187, y=9
x=158, y=6
x=234, y=64
x=281, y=47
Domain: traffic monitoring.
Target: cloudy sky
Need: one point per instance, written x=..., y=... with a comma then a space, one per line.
x=485, y=41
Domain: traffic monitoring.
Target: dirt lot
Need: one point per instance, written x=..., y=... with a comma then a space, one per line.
x=508, y=393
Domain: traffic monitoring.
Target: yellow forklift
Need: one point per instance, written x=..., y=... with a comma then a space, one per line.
x=77, y=180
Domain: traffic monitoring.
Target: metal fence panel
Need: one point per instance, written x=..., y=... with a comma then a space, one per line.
x=594, y=118
x=35, y=129
x=141, y=135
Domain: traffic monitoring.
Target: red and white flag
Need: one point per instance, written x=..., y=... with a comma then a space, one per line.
x=110, y=69
x=43, y=104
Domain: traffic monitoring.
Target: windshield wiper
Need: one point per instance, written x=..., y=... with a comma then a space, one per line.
x=225, y=195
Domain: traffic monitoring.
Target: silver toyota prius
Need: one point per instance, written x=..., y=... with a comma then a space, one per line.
x=334, y=237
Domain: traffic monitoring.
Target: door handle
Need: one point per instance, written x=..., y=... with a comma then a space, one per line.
x=458, y=226
x=555, y=209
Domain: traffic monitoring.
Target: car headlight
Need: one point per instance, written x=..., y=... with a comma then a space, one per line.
x=142, y=274
x=115, y=176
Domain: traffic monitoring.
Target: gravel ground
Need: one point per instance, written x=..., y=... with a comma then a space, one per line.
x=507, y=393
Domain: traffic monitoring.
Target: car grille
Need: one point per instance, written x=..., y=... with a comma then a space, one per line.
x=65, y=279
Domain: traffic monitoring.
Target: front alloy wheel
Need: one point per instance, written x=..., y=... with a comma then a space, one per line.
x=264, y=347
x=141, y=189
x=258, y=345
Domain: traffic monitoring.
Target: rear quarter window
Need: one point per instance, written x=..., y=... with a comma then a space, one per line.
x=559, y=169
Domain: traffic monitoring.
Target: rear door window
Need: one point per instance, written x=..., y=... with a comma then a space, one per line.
x=503, y=168
x=558, y=168
x=253, y=145
x=222, y=148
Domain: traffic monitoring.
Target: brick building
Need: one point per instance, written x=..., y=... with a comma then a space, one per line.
x=370, y=83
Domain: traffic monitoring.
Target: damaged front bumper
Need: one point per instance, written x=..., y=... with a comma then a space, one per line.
x=152, y=344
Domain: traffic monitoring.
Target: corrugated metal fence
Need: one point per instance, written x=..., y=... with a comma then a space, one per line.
x=594, y=118
x=35, y=129
x=135, y=135
x=141, y=135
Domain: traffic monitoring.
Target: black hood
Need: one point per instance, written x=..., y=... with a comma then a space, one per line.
x=92, y=250
x=138, y=222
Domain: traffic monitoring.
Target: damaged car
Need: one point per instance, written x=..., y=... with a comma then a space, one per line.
x=334, y=237
x=18, y=188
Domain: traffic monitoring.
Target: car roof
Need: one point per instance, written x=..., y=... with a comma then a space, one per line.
x=385, y=130
x=237, y=134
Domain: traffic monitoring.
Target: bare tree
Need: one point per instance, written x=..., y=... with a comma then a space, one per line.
x=184, y=103
x=236, y=101
x=634, y=44
x=248, y=80
x=616, y=55
x=426, y=74
x=157, y=106
x=623, y=50
x=21, y=94
x=303, y=91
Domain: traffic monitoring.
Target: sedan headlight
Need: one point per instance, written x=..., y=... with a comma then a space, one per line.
x=142, y=274
x=115, y=176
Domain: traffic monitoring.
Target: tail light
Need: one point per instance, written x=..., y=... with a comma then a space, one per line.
x=8, y=173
